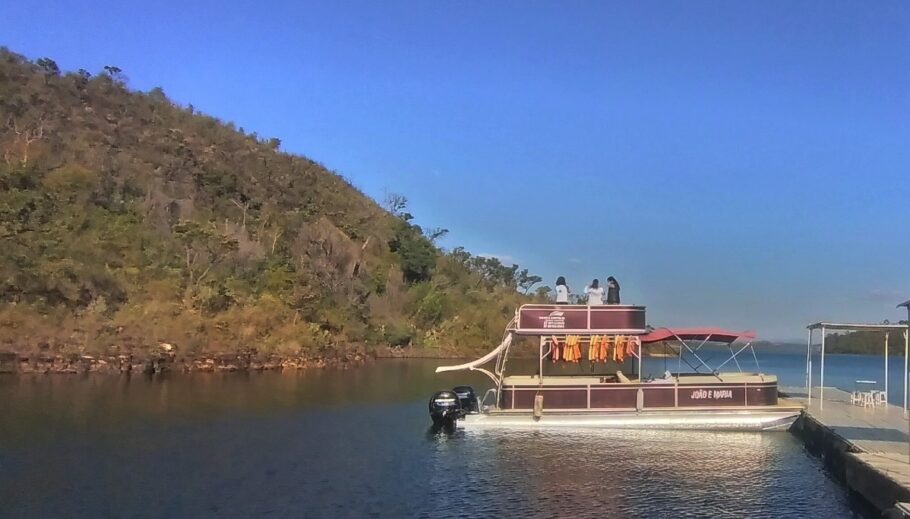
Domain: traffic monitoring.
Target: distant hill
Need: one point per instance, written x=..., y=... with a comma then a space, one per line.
x=781, y=346
x=128, y=221
x=865, y=342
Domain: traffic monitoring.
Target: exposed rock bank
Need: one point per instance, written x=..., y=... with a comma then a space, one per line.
x=159, y=362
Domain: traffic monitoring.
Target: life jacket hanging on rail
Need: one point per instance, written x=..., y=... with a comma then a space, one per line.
x=573, y=352
x=631, y=346
x=619, y=350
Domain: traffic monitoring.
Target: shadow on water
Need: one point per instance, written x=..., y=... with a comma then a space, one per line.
x=437, y=431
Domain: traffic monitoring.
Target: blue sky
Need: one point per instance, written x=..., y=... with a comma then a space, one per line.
x=740, y=164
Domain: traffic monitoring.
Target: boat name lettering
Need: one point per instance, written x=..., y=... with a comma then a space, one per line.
x=712, y=394
x=555, y=319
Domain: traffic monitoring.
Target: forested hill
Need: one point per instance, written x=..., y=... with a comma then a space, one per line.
x=128, y=221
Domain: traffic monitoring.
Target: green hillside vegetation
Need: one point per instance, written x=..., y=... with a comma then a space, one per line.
x=865, y=342
x=128, y=221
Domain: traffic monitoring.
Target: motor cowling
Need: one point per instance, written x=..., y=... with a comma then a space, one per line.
x=467, y=398
x=445, y=408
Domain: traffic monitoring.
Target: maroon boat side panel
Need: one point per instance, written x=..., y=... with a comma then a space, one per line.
x=614, y=398
x=555, y=318
x=660, y=396
x=625, y=396
x=762, y=395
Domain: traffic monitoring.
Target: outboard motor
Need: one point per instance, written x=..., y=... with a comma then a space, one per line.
x=445, y=408
x=467, y=398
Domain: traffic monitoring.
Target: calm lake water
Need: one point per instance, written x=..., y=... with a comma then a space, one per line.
x=356, y=443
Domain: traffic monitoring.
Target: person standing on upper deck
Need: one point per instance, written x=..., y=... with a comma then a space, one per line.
x=562, y=291
x=612, y=291
x=595, y=293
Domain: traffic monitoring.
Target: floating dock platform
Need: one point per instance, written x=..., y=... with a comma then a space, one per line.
x=866, y=448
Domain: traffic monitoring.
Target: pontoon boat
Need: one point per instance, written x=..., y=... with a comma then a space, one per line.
x=607, y=390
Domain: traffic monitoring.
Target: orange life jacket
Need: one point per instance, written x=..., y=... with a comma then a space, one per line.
x=632, y=346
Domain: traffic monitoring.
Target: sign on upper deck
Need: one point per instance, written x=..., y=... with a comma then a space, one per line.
x=583, y=319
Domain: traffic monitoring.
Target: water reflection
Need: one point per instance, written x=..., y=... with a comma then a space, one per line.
x=357, y=443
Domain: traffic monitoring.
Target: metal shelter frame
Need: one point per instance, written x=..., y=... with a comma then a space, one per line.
x=826, y=326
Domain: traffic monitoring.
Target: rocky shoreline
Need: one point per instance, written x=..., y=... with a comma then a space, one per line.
x=166, y=358
x=48, y=363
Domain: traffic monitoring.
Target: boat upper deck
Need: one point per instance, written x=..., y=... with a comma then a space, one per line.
x=536, y=319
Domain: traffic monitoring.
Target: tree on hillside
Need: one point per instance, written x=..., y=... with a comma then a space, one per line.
x=526, y=281
x=396, y=204
x=435, y=233
x=203, y=250
x=416, y=254
x=543, y=294
x=493, y=272
x=25, y=135
x=49, y=67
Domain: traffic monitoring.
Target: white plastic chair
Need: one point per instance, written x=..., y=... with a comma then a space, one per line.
x=880, y=398
x=856, y=398
x=868, y=399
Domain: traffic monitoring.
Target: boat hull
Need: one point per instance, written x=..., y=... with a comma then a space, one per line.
x=774, y=419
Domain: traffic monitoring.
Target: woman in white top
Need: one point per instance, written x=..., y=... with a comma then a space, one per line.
x=562, y=291
x=595, y=293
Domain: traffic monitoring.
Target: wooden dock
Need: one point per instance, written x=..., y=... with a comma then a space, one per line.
x=867, y=447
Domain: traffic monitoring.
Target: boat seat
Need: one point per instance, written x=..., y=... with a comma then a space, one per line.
x=622, y=378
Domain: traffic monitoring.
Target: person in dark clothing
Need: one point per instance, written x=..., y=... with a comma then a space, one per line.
x=612, y=291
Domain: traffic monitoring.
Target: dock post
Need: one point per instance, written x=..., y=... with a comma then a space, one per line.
x=821, y=390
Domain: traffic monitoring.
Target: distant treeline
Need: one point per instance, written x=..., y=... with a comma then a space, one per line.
x=865, y=342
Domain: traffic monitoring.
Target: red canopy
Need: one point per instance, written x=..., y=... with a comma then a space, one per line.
x=699, y=334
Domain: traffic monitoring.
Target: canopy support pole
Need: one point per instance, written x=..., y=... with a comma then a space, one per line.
x=540, y=353
x=886, y=366
x=755, y=358
x=695, y=353
x=906, y=348
x=809, y=367
x=639, y=361
x=821, y=390
x=679, y=362
x=734, y=355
